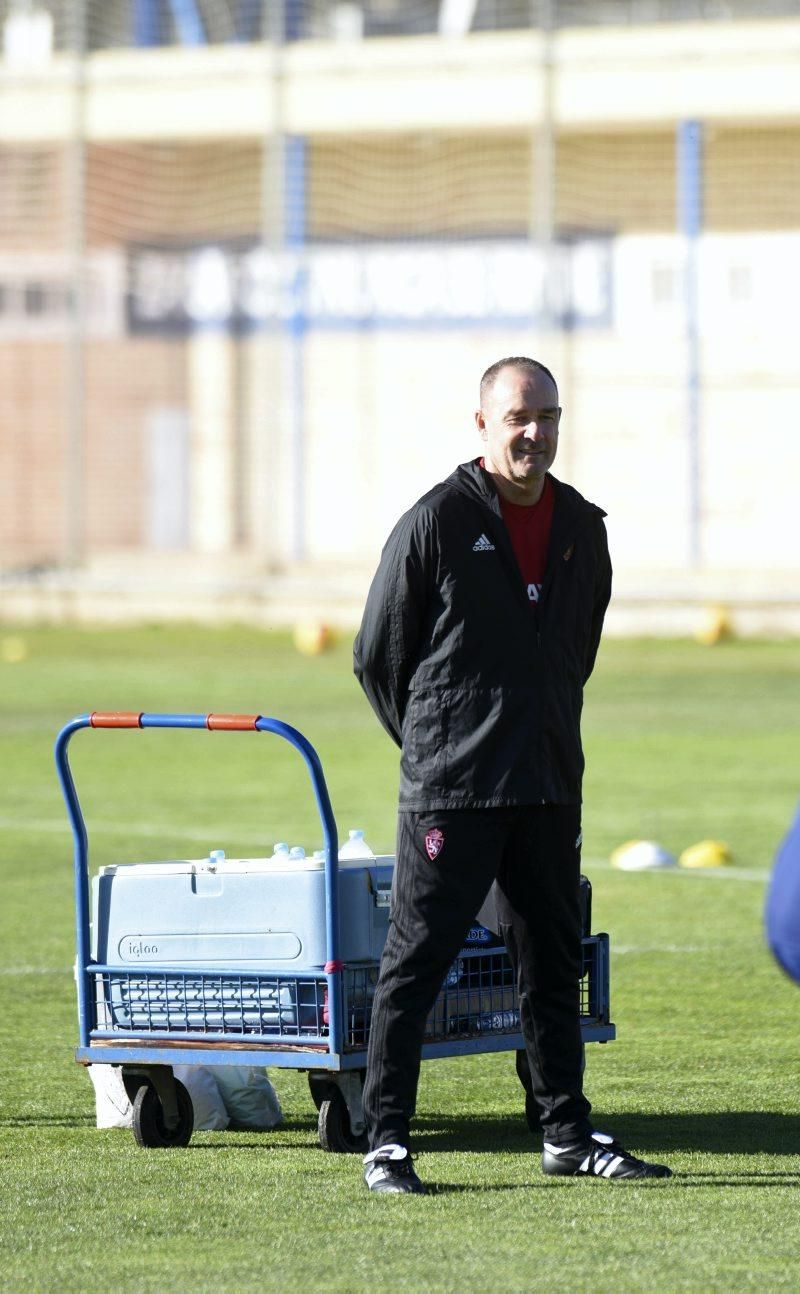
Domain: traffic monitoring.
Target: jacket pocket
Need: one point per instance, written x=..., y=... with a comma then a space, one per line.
x=491, y=732
x=569, y=614
x=425, y=729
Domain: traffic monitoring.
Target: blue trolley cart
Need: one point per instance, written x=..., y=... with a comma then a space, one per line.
x=147, y=1004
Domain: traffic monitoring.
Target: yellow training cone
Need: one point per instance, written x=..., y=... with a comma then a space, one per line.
x=312, y=637
x=706, y=853
x=715, y=626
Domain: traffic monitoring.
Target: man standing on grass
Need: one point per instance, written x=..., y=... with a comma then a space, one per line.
x=480, y=630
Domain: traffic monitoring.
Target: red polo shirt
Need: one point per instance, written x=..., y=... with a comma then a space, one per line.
x=529, y=528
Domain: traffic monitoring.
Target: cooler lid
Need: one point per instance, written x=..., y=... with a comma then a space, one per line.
x=239, y=866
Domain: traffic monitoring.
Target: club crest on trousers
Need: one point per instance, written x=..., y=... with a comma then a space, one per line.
x=434, y=843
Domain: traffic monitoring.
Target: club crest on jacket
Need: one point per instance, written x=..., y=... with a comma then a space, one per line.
x=434, y=843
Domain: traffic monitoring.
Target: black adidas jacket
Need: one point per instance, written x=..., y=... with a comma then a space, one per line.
x=481, y=689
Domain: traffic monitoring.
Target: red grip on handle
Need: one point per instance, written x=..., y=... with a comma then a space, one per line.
x=115, y=719
x=231, y=722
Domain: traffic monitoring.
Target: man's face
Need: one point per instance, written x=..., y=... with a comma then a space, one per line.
x=519, y=423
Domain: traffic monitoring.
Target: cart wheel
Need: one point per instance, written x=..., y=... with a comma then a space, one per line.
x=334, y=1127
x=149, y=1128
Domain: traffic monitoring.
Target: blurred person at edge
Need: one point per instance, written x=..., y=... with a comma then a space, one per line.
x=782, y=914
x=480, y=630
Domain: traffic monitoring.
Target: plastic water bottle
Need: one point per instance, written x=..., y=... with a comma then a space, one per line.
x=356, y=847
x=280, y=852
x=496, y=1021
x=215, y=857
x=297, y=852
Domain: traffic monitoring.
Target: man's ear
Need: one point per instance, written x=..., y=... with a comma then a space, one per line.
x=480, y=423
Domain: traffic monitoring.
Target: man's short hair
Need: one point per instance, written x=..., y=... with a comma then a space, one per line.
x=523, y=362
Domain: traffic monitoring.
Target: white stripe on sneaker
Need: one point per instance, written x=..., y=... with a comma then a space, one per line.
x=612, y=1167
x=391, y=1151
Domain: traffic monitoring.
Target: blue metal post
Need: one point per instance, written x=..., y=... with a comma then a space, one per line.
x=80, y=876
x=293, y=14
x=247, y=20
x=294, y=237
x=188, y=22
x=148, y=22
x=689, y=168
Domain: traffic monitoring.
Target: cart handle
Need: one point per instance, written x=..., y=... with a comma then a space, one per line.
x=213, y=723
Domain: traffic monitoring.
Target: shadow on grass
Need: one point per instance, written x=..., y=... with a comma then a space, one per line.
x=744, y=1132
x=738, y=1132
x=284, y=1137
x=682, y=1180
x=728, y=1132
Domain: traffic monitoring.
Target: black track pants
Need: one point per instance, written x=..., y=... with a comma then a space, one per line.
x=534, y=853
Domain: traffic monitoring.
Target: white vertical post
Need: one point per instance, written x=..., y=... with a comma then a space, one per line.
x=543, y=201
x=283, y=235
x=168, y=465
x=75, y=458
x=212, y=408
x=294, y=234
x=689, y=168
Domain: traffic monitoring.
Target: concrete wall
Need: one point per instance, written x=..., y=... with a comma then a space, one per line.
x=304, y=445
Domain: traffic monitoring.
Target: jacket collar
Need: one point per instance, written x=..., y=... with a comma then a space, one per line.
x=570, y=508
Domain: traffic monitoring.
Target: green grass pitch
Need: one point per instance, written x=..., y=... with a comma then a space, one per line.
x=683, y=743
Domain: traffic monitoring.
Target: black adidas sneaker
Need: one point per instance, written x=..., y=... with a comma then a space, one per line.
x=389, y=1168
x=597, y=1156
